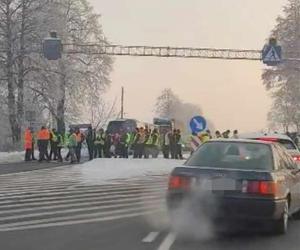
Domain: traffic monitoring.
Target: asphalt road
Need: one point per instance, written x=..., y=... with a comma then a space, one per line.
x=15, y=167
x=60, y=209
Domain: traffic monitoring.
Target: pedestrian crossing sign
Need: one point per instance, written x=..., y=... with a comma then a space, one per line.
x=271, y=55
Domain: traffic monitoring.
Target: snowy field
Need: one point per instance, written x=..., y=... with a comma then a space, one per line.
x=8, y=157
x=107, y=170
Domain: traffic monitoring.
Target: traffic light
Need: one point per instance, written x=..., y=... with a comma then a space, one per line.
x=52, y=47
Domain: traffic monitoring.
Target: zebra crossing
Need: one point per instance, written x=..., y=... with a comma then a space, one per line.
x=62, y=196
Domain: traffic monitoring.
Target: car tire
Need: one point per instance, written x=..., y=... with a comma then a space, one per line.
x=281, y=225
x=296, y=215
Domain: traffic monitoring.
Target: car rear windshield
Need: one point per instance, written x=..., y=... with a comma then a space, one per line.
x=287, y=144
x=236, y=155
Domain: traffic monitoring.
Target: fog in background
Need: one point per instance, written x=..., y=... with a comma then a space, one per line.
x=230, y=93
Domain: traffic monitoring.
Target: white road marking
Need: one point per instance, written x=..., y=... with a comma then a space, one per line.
x=18, y=208
x=76, y=210
x=168, y=242
x=72, y=193
x=53, y=197
x=77, y=217
x=83, y=221
x=150, y=237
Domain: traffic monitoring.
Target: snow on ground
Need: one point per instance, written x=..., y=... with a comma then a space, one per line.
x=8, y=157
x=103, y=170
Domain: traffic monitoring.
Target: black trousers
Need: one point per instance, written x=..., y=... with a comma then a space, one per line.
x=59, y=156
x=173, y=151
x=43, y=148
x=53, y=151
x=72, y=154
x=107, y=153
x=139, y=151
x=166, y=151
x=78, y=152
x=28, y=155
x=147, y=151
x=32, y=152
x=124, y=151
x=91, y=151
x=99, y=151
x=178, y=154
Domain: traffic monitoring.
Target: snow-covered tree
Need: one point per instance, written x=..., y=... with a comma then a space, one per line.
x=30, y=82
x=169, y=105
x=64, y=85
x=17, y=27
x=283, y=81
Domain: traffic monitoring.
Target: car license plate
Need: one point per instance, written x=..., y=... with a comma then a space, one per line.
x=223, y=184
x=204, y=185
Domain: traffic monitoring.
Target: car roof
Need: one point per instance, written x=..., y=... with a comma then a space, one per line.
x=265, y=135
x=241, y=140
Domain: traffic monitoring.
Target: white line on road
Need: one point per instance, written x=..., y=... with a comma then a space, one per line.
x=150, y=237
x=93, y=215
x=19, y=208
x=168, y=242
x=76, y=210
x=4, y=199
x=83, y=221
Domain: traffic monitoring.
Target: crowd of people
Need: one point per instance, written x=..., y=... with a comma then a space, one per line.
x=50, y=144
x=142, y=143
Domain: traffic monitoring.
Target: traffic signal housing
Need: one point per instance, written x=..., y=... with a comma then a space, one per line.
x=52, y=47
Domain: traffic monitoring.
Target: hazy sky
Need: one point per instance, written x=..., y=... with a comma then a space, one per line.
x=230, y=92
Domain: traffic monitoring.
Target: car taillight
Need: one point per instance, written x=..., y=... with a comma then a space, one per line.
x=259, y=187
x=296, y=158
x=179, y=182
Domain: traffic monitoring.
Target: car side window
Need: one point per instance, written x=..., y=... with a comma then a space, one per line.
x=286, y=160
x=279, y=158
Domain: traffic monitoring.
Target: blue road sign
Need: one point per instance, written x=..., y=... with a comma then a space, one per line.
x=198, y=124
x=271, y=55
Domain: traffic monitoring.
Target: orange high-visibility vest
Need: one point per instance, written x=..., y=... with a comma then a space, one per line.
x=43, y=134
x=28, y=139
x=79, y=137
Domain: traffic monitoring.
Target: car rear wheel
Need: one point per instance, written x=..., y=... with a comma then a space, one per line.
x=281, y=225
x=296, y=215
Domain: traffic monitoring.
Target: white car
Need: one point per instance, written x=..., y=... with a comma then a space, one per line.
x=284, y=140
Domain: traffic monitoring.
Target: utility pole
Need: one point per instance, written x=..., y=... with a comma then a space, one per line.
x=122, y=103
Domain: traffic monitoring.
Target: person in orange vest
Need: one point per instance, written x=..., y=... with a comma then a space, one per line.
x=79, y=140
x=28, y=144
x=43, y=137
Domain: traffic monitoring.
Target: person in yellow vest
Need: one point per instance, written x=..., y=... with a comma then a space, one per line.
x=99, y=144
x=204, y=137
x=178, y=145
x=155, y=143
x=148, y=143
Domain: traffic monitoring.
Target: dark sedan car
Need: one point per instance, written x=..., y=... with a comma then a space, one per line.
x=237, y=181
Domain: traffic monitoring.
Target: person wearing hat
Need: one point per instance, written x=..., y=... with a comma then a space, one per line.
x=235, y=134
x=218, y=134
